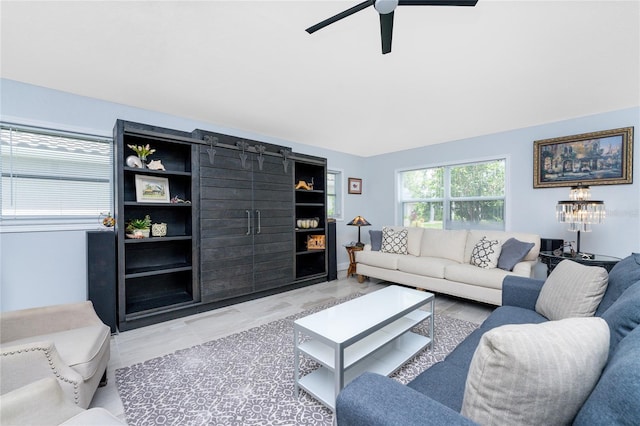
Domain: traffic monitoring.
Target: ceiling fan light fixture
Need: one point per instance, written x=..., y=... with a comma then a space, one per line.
x=385, y=6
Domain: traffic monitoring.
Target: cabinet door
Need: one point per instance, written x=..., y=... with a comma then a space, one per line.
x=273, y=236
x=226, y=238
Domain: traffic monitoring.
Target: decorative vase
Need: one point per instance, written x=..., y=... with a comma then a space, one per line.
x=143, y=160
x=159, y=229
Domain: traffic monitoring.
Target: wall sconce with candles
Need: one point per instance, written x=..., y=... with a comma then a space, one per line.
x=359, y=221
x=580, y=211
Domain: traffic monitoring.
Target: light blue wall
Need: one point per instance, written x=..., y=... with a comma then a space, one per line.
x=49, y=267
x=529, y=209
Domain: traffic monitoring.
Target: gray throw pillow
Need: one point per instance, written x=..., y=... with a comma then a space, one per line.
x=513, y=251
x=376, y=240
x=535, y=374
x=572, y=290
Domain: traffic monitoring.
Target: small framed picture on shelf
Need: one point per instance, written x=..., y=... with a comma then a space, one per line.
x=315, y=242
x=151, y=189
x=355, y=186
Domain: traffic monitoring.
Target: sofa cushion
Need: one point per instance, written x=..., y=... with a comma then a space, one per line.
x=623, y=316
x=378, y=258
x=394, y=241
x=474, y=236
x=535, y=374
x=80, y=348
x=469, y=274
x=448, y=244
x=376, y=239
x=624, y=274
x=442, y=382
x=485, y=253
x=513, y=251
x=572, y=290
x=425, y=266
x=614, y=401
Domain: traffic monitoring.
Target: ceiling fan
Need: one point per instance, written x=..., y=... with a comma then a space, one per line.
x=385, y=8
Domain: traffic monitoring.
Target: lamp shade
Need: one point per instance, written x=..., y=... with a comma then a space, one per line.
x=359, y=221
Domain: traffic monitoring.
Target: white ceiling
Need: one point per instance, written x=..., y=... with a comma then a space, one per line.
x=454, y=72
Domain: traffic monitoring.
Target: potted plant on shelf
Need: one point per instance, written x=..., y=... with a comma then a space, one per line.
x=143, y=152
x=139, y=228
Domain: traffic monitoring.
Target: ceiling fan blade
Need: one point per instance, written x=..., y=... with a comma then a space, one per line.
x=339, y=16
x=437, y=2
x=386, y=31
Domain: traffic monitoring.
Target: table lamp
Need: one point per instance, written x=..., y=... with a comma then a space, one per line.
x=359, y=221
x=580, y=211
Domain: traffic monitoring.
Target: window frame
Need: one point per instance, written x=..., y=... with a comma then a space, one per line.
x=447, y=198
x=339, y=195
x=42, y=223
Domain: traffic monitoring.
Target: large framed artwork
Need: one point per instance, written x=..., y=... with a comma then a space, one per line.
x=598, y=158
x=150, y=189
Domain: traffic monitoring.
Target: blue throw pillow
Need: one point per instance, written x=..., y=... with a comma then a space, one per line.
x=376, y=240
x=513, y=251
x=623, y=275
x=623, y=316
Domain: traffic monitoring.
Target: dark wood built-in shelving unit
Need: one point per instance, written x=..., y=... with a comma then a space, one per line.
x=156, y=274
x=237, y=237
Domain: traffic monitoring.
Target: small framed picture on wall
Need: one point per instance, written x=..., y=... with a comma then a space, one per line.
x=355, y=186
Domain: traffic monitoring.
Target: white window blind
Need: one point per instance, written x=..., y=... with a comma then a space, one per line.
x=51, y=177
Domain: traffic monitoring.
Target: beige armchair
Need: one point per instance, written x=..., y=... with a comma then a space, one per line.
x=68, y=342
x=43, y=403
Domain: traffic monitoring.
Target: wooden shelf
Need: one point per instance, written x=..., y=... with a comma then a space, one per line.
x=150, y=172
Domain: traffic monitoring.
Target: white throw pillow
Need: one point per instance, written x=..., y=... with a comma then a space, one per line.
x=572, y=290
x=486, y=253
x=535, y=374
x=394, y=241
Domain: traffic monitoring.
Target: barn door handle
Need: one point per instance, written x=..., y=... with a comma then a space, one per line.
x=259, y=222
x=248, y=222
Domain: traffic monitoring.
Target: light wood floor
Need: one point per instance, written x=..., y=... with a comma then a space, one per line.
x=134, y=346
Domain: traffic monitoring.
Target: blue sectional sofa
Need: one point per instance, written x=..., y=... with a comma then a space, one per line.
x=435, y=397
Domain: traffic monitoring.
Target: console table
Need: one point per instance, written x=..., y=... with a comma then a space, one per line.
x=552, y=260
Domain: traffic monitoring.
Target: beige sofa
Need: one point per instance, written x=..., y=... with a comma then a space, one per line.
x=68, y=342
x=439, y=261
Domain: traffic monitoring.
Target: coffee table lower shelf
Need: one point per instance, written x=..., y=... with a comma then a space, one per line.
x=386, y=360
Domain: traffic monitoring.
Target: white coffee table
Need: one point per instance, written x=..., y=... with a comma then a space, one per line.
x=369, y=333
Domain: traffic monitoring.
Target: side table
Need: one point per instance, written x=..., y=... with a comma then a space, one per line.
x=351, y=251
x=551, y=260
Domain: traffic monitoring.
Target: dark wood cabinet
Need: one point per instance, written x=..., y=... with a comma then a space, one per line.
x=101, y=275
x=158, y=273
x=246, y=218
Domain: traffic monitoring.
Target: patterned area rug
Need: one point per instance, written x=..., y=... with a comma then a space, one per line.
x=247, y=378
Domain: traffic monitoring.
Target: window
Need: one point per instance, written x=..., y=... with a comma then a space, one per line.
x=460, y=196
x=334, y=194
x=53, y=178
